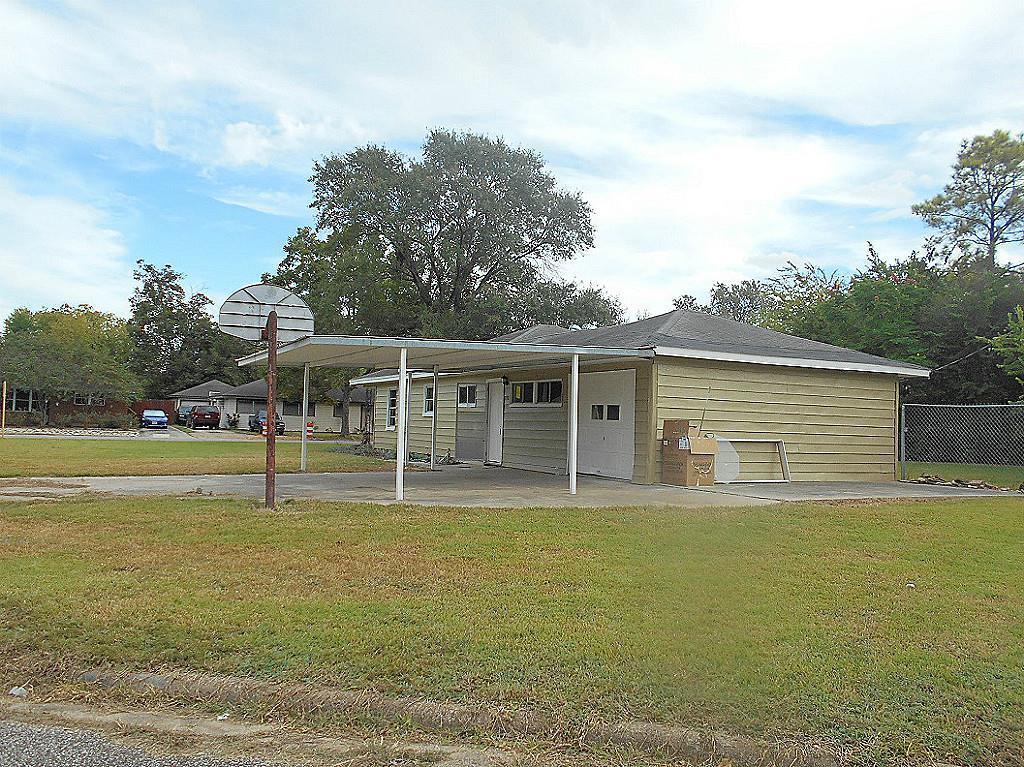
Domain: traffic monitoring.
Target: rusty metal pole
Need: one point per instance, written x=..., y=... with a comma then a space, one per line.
x=271, y=410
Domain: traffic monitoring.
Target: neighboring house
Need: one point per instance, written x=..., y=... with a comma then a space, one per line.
x=76, y=407
x=836, y=409
x=251, y=397
x=206, y=393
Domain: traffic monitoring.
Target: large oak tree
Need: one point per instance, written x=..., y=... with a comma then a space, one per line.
x=460, y=241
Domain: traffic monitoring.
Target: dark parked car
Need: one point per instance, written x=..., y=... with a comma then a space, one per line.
x=181, y=416
x=258, y=422
x=153, y=419
x=204, y=415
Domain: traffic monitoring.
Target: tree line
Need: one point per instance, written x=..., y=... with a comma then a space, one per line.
x=465, y=240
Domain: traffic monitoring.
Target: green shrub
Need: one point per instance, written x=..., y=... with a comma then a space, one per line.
x=101, y=420
x=25, y=419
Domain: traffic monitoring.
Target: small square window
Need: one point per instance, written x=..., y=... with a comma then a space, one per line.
x=467, y=395
x=613, y=412
x=597, y=412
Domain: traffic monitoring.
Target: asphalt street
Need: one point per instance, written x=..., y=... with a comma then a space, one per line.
x=34, y=745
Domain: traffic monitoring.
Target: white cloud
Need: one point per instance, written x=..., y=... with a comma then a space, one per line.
x=713, y=139
x=55, y=251
x=272, y=202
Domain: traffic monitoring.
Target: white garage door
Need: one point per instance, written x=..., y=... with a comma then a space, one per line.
x=607, y=414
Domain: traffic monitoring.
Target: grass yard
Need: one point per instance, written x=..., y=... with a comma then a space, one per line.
x=108, y=457
x=767, y=620
x=1004, y=476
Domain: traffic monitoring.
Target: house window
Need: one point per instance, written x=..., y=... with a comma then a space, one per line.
x=245, y=406
x=23, y=400
x=522, y=393
x=539, y=393
x=428, y=401
x=291, y=408
x=339, y=409
x=90, y=399
x=467, y=395
x=311, y=410
x=549, y=392
x=392, y=415
x=613, y=412
x=597, y=412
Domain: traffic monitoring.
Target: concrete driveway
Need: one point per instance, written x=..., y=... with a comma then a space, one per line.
x=476, y=485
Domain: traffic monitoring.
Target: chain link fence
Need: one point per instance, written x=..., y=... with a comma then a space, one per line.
x=937, y=436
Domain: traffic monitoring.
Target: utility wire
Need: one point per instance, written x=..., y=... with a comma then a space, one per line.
x=965, y=357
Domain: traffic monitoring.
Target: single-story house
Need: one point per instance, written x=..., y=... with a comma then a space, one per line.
x=326, y=413
x=30, y=407
x=834, y=409
x=206, y=393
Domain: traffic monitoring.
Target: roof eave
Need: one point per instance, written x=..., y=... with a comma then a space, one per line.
x=903, y=371
x=455, y=345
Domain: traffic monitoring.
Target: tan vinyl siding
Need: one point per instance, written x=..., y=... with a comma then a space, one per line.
x=836, y=425
x=419, y=424
x=535, y=438
x=644, y=400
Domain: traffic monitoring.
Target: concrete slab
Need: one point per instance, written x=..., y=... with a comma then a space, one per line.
x=476, y=485
x=462, y=485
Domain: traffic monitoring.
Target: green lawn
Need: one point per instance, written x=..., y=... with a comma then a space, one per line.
x=1004, y=476
x=766, y=620
x=99, y=457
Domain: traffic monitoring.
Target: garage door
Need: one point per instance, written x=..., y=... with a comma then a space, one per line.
x=607, y=414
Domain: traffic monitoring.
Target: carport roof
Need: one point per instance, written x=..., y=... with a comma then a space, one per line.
x=424, y=354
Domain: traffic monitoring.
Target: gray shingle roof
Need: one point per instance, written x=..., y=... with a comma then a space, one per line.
x=202, y=390
x=533, y=334
x=253, y=390
x=696, y=331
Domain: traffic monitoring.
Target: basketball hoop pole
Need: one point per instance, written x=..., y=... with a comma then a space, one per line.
x=271, y=410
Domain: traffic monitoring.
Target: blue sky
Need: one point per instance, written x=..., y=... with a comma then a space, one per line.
x=715, y=141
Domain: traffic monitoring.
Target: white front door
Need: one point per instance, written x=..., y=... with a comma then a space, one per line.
x=495, y=420
x=607, y=416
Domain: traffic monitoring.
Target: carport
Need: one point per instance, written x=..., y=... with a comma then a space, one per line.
x=437, y=357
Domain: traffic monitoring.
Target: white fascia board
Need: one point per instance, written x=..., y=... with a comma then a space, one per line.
x=446, y=345
x=796, y=362
x=370, y=378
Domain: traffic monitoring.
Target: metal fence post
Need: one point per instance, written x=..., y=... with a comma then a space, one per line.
x=903, y=441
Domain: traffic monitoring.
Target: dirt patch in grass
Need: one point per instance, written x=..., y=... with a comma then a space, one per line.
x=33, y=482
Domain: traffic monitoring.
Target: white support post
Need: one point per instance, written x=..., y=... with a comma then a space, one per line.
x=305, y=415
x=401, y=447
x=433, y=425
x=408, y=417
x=574, y=420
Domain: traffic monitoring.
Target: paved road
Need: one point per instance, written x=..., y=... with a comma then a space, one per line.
x=34, y=745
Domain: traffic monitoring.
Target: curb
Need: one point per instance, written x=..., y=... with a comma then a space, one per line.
x=660, y=739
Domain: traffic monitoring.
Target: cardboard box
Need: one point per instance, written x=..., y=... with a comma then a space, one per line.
x=687, y=457
x=693, y=471
x=679, y=435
